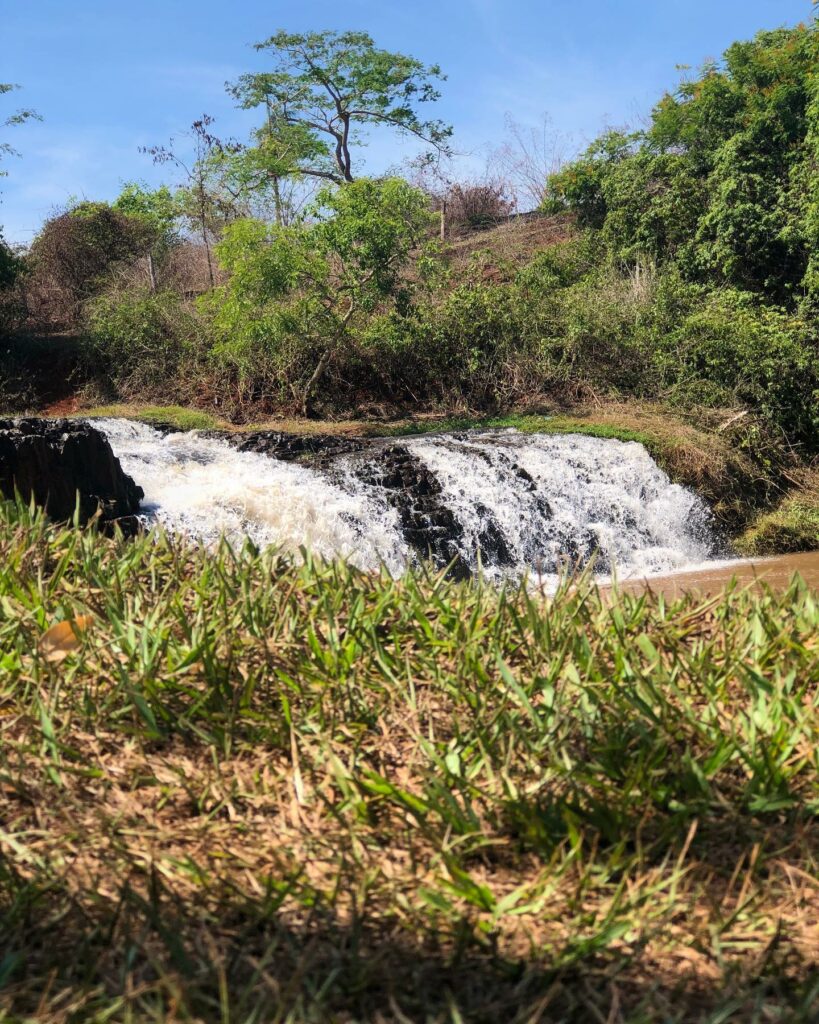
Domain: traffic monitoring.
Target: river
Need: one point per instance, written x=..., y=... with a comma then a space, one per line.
x=502, y=502
x=776, y=573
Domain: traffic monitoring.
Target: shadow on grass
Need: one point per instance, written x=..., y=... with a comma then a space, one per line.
x=150, y=955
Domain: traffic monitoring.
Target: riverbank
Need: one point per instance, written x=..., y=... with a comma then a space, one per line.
x=245, y=788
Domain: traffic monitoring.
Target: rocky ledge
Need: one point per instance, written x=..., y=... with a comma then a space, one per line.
x=429, y=527
x=58, y=461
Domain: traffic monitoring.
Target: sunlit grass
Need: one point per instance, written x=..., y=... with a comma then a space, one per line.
x=792, y=526
x=256, y=791
x=165, y=415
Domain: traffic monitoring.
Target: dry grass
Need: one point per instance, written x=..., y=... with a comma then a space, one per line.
x=507, y=247
x=793, y=525
x=254, y=791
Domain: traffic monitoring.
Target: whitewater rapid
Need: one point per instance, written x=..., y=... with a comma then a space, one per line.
x=516, y=503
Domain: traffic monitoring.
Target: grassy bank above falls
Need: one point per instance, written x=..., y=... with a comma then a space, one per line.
x=239, y=789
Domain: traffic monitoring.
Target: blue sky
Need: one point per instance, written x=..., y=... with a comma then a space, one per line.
x=109, y=76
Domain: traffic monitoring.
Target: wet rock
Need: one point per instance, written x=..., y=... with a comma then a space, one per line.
x=62, y=462
x=311, y=449
x=427, y=524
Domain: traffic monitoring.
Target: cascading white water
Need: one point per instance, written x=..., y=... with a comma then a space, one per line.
x=204, y=488
x=520, y=502
x=585, y=496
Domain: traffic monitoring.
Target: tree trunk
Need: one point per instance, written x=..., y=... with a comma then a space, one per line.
x=210, y=261
x=443, y=220
x=307, y=409
x=203, y=222
x=152, y=273
x=277, y=201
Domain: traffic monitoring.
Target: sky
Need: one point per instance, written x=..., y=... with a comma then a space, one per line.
x=109, y=76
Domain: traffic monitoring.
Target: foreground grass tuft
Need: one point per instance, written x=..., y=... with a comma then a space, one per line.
x=244, y=790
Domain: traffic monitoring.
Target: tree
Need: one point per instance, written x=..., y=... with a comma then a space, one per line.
x=203, y=200
x=528, y=158
x=296, y=292
x=326, y=89
x=18, y=117
x=158, y=210
x=723, y=179
x=9, y=264
x=260, y=177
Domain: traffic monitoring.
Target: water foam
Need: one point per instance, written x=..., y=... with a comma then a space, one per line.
x=523, y=503
x=204, y=488
x=584, y=497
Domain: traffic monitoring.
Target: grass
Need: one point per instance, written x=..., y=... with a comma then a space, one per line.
x=254, y=791
x=792, y=526
x=164, y=415
x=527, y=423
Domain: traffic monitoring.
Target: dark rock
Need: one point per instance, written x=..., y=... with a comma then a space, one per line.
x=311, y=449
x=428, y=526
x=58, y=462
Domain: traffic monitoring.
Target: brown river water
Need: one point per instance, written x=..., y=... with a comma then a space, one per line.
x=776, y=572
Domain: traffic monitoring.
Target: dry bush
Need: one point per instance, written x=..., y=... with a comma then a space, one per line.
x=475, y=205
x=186, y=270
x=74, y=254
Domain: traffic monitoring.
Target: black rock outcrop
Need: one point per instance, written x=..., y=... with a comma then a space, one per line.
x=428, y=525
x=58, y=462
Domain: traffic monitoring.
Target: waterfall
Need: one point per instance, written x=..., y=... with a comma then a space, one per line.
x=509, y=502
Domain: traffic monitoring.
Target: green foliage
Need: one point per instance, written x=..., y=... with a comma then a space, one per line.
x=793, y=527
x=141, y=341
x=296, y=295
x=732, y=349
x=12, y=120
x=723, y=180
x=326, y=89
x=158, y=209
x=10, y=265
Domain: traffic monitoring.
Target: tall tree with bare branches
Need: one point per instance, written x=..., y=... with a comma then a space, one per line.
x=326, y=89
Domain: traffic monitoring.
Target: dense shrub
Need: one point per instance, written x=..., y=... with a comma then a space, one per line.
x=478, y=204
x=72, y=258
x=10, y=265
x=732, y=349
x=723, y=180
x=298, y=297
x=144, y=344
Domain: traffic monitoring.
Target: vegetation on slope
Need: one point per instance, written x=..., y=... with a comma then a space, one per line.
x=792, y=525
x=242, y=789
x=723, y=181
x=680, y=266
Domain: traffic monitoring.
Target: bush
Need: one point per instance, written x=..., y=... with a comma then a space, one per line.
x=73, y=256
x=478, y=205
x=723, y=180
x=144, y=344
x=732, y=349
x=298, y=298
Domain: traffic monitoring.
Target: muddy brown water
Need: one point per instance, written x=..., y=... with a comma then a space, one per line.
x=776, y=573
